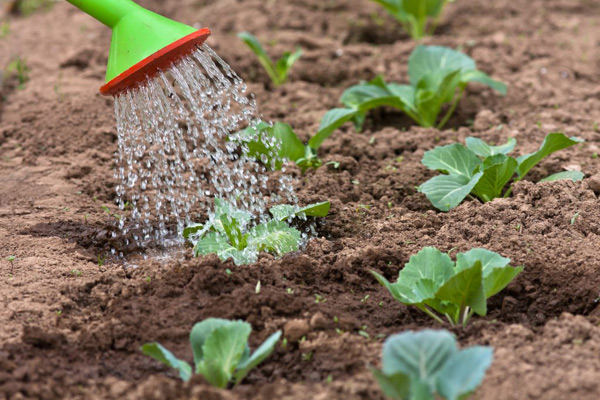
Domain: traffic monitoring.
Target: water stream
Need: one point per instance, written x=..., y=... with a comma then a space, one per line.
x=177, y=150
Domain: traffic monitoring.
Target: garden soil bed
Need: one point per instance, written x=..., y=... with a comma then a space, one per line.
x=71, y=328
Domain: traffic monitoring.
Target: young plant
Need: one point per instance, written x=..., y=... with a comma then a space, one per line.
x=278, y=71
x=221, y=352
x=433, y=283
x=438, y=76
x=11, y=260
x=419, y=18
x=229, y=232
x=20, y=69
x=274, y=144
x=428, y=365
x=483, y=170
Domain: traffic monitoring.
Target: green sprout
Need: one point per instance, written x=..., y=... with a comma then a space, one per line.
x=101, y=259
x=278, y=71
x=428, y=365
x=483, y=171
x=419, y=18
x=437, y=75
x=436, y=285
x=229, y=232
x=221, y=352
x=18, y=67
x=277, y=143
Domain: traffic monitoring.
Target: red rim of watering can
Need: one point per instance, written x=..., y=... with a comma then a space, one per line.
x=151, y=65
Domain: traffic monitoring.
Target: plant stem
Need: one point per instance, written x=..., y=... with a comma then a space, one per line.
x=432, y=315
x=406, y=26
x=451, y=109
x=469, y=317
x=436, y=22
x=509, y=191
x=465, y=315
x=414, y=116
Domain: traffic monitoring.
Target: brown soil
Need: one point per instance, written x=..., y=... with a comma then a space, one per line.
x=72, y=329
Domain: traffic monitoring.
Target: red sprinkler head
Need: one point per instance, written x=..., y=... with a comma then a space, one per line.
x=151, y=65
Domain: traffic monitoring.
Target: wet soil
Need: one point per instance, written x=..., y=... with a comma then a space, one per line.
x=73, y=317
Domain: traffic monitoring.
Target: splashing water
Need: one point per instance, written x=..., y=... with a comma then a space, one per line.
x=177, y=150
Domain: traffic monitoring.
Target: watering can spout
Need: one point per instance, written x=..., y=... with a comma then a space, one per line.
x=143, y=42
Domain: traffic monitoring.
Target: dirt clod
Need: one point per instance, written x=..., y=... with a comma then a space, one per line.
x=295, y=329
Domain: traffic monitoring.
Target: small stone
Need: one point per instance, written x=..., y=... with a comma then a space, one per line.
x=295, y=329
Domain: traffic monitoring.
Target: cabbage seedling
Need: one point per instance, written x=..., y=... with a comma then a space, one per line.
x=418, y=17
x=438, y=76
x=274, y=144
x=436, y=285
x=229, y=232
x=483, y=170
x=278, y=71
x=421, y=365
x=221, y=352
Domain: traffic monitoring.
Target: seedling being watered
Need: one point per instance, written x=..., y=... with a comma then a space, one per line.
x=279, y=70
x=221, y=352
x=287, y=145
x=229, y=232
x=419, y=18
x=428, y=365
x=484, y=171
x=441, y=288
x=438, y=76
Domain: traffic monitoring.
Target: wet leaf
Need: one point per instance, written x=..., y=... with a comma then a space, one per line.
x=285, y=211
x=276, y=237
